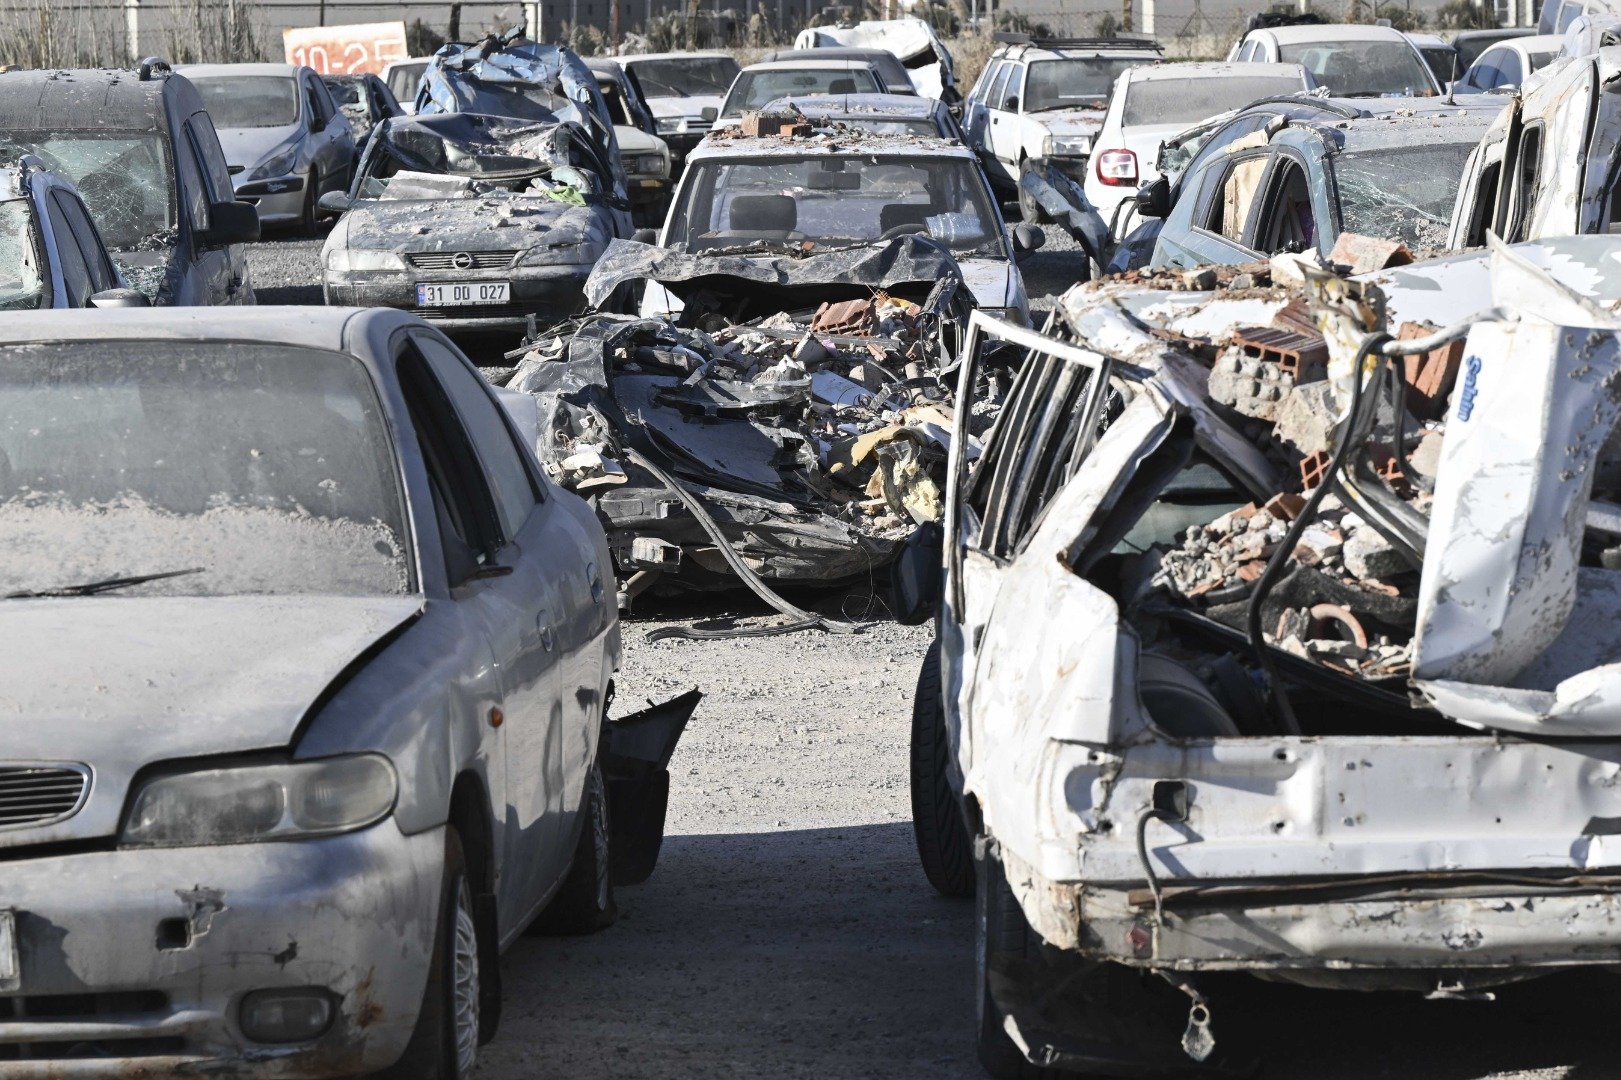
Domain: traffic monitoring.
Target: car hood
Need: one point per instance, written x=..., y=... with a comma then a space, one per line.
x=1070, y=122
x=990, y=280
x=118, y=683
x=249, y=146
x=690, y=107
x=484, y=223
x=633, y=140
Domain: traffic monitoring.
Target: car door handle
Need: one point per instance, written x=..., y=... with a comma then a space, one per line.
x=543, y=631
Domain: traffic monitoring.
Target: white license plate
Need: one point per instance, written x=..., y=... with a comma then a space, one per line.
x=463, y=293
x=11, y=975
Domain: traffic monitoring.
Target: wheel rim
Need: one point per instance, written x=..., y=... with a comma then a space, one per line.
x=599, y=839
x=465, y=990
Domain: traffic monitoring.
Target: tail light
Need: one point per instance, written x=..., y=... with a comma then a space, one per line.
x=1117, y=167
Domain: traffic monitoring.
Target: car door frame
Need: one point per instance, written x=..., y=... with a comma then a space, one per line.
x=1198, y=245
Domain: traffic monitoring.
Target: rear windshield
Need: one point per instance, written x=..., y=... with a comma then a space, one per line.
x=124, y=177
x=1404, y=194
x=1178, y=101
x=21, y=284
x=757, y=88
x=889, y=125
x=1079, y=82
x=266, y=467
x=1362, y=68
x=249, y=101
x=344, y=92
x=698, y=76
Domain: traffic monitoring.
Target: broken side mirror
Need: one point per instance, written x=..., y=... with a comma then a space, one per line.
x=1154, y=198
x=1027, y=238
x=709, y=114
x=918, y=576
x=119, y=298
x=1011, y=104
x=334, y=203
x=231, y=223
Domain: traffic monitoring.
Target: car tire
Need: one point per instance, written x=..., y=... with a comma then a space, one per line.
x=585, y=903
x=1030, y=211
x=308, y=222
x=1000, y=931
x=943, y=844
x=444, y=1043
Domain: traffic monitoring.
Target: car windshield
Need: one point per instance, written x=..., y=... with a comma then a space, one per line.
x=757, y=88
x=1187, y=101
x=21, y=284
x=403, y=80
x=344, y=91
x=836, y=201
x=521, y=101
x=124, y=177
x=698, y=76
x=268, y=467
x=1362, y=68
x=1401, y=193
x=1077, y=82
x=249, y=101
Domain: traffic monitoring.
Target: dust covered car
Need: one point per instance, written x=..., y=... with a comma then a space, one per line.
x=1278, y=635
x=51, y=255
x=364, y=100
x=471, y=221
x=306, y=682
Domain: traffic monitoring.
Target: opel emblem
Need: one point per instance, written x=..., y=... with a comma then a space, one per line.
x=462, y=261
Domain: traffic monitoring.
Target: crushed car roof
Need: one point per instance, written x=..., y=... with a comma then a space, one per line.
x=849, y=143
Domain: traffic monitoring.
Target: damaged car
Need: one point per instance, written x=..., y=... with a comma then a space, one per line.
x=308, y=669
x=646, y=157
x=365, y=101
x=51, y=255
x=788, y=427
x=1277, y=635
x=684, y=91
x=471, y=221
x=140, y=148
x=925, y=57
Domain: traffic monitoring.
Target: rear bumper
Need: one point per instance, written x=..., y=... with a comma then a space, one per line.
x=144, y=956
x=547, y=292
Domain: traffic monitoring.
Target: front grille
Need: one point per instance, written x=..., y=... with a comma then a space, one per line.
x=446, y=260
x=77, y=1014
x=40, y=794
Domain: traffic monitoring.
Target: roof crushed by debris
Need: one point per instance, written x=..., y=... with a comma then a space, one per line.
x=766, y=134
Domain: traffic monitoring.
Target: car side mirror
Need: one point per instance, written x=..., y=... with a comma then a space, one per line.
x=1154, y=198
x=709, y=114
x=334, y=203
x=645, y=236
x=231, y=223
x=1027, y=237
x=1011, y=104
x=119, y=298
x=918, y=576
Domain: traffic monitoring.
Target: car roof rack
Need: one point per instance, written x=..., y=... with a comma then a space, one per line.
x=1007, y=37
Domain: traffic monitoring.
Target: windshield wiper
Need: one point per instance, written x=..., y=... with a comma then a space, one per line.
x=91, y=588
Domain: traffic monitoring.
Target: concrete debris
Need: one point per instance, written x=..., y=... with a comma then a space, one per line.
x=1358, y=254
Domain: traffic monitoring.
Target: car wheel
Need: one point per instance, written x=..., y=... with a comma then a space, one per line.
x=308, y=222
x=1000, y=933
x=444, y=1044
x=943, y=845
x=585, y=903
x=1029, y=210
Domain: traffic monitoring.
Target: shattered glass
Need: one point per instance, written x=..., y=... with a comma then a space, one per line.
x=466, y=155
x=125, y=178
x=1401, y=193
x=268, y=467
x=21, y=285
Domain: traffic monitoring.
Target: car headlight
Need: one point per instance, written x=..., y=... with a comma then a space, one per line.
x=648, y=164
x=672, y=125
x=1067, y=146
x=344, y=259
x=278, y=164
x=255, y=803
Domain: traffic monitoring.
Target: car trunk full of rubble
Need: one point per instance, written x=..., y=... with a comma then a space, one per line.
x=1254, y=670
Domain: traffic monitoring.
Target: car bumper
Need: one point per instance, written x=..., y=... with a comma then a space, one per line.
x=1071, y=166
x=280, y=200
x=546, y=292
x=144, y=956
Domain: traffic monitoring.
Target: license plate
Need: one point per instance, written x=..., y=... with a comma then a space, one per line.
x=463, y=293
x=11, y=975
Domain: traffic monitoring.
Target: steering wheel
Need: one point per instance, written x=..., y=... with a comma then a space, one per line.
x=903, y=229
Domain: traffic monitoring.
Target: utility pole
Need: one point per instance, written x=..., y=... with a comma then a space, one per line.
x=132, y=29
x=1148, y=17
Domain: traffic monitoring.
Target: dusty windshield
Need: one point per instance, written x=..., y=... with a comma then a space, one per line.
x=1181, y=101
x=889, y=125
x=1401, y=193
x=124, y=177
x=836, y=201
x=1362, y=68
x=758, y=88
x=699, y=76
x=21, y=285
x=524, y=101
x=266, y=467
x=1081, y=82
x=249, y=101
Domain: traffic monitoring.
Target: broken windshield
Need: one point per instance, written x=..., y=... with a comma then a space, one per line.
x=524, y=101
x=459, y=155
x=21, y=285
x=1362, y=68
x=696, y=76
x=1079, y=82
x=248, y=101
x=836, y=201
x=1171, y=101
x=755, y=89
x=124, y=177
x=269, y=465
x=1401, y=193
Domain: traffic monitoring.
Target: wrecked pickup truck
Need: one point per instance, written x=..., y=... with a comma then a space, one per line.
x=1279, y=635
x=470, y=222
x=790, y=425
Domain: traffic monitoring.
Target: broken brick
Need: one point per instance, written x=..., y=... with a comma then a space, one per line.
x=1429, y=376
x=1312, y=469
x=1303, y=356
x=1365, y=254
x=1285, y=506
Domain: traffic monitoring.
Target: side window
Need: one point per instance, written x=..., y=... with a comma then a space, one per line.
x=510, y=481
x=1287, y=223
x=1510, y=72
x=1526, y=181
x=1247, y=53
x=982, y=88
x=97, y=265
x=193, y=188
x=75, y=274
x=461, y=496
x=1230, y=209
x=993, y=99
x=1483, y=213
x=205, y=142
x=315, y=104
x=1010, y=93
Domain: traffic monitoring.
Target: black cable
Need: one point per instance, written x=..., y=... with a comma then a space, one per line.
x=1280, y=557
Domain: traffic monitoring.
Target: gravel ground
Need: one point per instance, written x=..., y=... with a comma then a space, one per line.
x=789, y=933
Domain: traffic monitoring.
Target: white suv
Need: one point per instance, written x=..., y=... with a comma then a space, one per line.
x=1045, y=99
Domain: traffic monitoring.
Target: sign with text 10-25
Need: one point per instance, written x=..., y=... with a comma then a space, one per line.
x=345, y=50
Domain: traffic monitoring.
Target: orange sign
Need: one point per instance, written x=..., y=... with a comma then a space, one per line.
x=345, y=50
